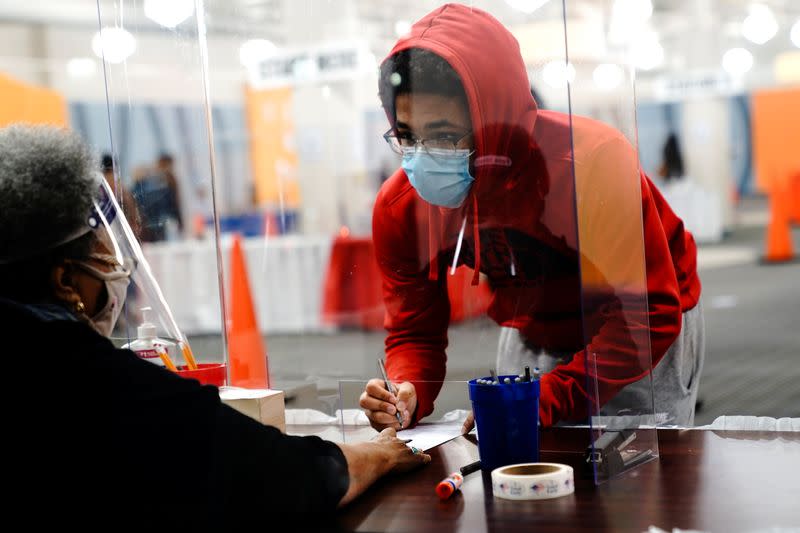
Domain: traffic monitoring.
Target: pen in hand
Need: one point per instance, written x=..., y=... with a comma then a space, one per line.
x=389, y=387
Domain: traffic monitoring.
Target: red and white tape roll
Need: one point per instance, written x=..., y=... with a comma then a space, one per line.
x=532, y=481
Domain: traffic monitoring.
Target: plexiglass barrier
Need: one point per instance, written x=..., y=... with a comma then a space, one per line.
x=357, y=181
x=630, y=311
x=153, y=127
x=452, y=209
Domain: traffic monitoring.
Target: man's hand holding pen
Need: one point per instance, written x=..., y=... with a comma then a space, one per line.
x=382, y=406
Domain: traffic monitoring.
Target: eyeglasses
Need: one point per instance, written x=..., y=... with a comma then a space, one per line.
x=446, y=143
x=128, y=266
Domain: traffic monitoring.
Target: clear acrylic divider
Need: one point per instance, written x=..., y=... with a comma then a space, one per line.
x=154, y=128
x=552, y=222
x=622, y=312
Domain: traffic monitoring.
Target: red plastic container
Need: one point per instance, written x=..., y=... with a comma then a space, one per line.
x=206, y=373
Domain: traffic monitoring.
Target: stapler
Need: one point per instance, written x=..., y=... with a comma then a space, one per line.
x=609, y=456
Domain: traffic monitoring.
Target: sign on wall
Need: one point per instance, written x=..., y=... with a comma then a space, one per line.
x=326, y=63
x=272, y=146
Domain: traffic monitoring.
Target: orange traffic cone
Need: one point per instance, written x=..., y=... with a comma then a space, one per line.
x=779, y=235
x=247, y=355
x=794, y=198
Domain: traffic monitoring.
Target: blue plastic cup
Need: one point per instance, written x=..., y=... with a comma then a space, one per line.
x=507, y=417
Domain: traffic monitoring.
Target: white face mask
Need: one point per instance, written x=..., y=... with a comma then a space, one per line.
x=116, y=282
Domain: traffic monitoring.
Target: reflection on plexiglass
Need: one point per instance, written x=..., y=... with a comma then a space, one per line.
x=155, y=156
x=455, y=201
x=450, y=210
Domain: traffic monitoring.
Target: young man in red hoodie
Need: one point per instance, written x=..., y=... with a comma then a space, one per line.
x=551, y=209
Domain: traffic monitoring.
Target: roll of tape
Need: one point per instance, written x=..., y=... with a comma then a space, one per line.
x=532, y=481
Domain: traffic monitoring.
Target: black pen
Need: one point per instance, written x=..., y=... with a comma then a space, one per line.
x=389, y=388
x=470, y=468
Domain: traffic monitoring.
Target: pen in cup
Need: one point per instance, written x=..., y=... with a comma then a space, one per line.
x=389, y=387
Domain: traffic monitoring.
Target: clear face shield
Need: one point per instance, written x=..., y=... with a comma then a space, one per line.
x=146, y=311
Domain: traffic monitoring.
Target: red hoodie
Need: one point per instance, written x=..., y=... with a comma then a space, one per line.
x=544, y=182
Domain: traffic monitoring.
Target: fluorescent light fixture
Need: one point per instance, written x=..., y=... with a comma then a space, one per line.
x=607, y=76
x=81, y=67
x=526, y=6
x=558, y=73
x=255, y=50
x=794, y=35
x=760, y=25
x=113, y=45
x=737, y=61
x=168, y=13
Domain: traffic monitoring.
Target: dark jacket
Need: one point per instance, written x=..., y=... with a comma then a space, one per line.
x=100, y=437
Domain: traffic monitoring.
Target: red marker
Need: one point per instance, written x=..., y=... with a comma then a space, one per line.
x=448, y=486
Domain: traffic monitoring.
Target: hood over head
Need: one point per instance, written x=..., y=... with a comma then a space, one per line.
x=487, y=59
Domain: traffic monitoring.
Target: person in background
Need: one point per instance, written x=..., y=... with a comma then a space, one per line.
x=123, y=195
x=157, y=196
x=165, y=164
x=490, y=181
x=671, y=160
x=100, y=437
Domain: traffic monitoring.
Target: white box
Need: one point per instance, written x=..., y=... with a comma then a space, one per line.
x=264, y=405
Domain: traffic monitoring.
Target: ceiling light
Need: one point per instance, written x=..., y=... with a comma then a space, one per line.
x=647, y=53
x=607, y=76
x=168, y=13
x=255, y=50
x=113, y=45
x=638, y=10
x=794, y=35
x=402, y=28
x=626, y=17
x=737, y=61
x=760, y=25
x=558, y=73
x=81, y=67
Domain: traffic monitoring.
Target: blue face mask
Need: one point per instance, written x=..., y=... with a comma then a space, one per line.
x=441, y=177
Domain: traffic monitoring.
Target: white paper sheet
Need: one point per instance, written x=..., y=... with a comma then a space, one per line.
x=424, y=436
x=427, y=436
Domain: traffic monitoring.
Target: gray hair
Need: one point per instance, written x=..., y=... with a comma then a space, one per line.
x=47, y=184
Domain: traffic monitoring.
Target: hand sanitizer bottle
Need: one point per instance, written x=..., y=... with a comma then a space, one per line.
x=147, y=344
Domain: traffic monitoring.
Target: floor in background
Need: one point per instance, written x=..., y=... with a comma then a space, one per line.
x=752, y=316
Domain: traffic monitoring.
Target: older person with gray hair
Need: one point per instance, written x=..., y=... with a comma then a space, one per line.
x=48, y=256
x=99, y=436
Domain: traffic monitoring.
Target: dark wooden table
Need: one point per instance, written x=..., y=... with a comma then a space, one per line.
x=721, y=481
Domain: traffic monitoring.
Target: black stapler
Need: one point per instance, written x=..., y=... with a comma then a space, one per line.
x=608, y=454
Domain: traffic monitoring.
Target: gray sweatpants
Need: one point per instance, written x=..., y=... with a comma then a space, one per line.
x=675, y=379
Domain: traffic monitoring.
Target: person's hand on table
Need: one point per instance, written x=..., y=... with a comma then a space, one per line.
x=381, y=406
x=405, y=457
x=368, y=461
